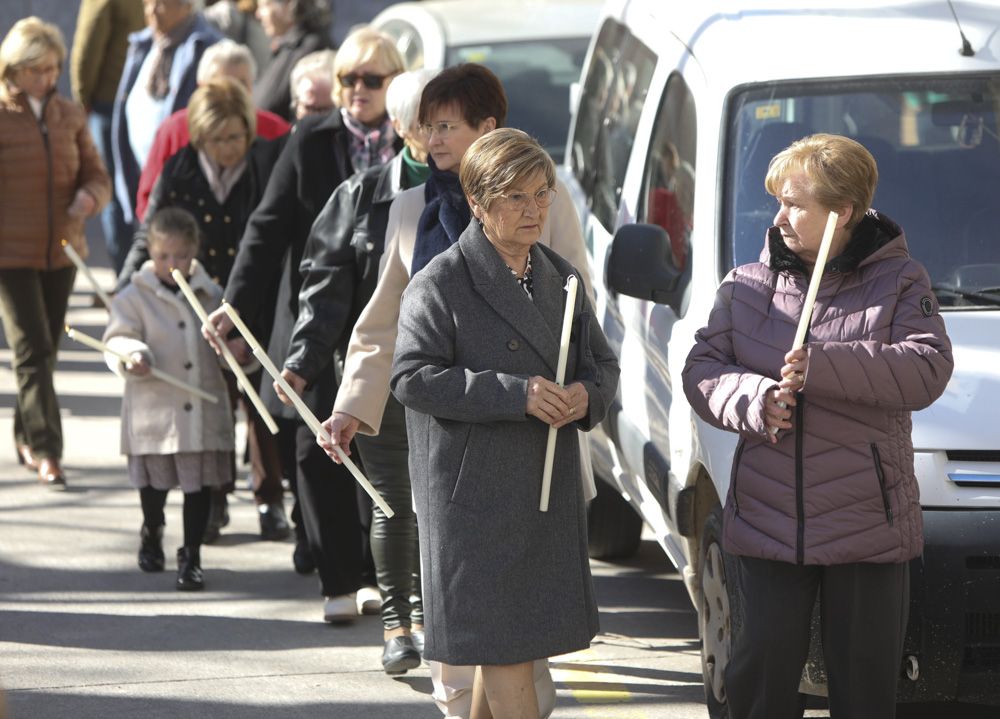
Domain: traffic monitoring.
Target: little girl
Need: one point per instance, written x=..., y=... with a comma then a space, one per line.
x=171, y=437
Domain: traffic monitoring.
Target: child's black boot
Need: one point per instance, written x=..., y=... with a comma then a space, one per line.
x=189, y=576
x=151, y=557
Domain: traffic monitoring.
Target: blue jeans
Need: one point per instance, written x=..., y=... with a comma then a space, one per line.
x=117, y=233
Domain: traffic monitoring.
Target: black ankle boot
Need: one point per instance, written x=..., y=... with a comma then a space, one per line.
x=151, y=549
x=189, y=576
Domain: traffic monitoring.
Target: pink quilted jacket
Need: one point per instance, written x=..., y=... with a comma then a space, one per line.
x=839, y=487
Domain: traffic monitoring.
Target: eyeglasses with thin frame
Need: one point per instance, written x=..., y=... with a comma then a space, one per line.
x=369, y=79
x=518, y=201
x=443, y=128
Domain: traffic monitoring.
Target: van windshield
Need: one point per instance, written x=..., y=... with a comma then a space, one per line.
x=937, y=144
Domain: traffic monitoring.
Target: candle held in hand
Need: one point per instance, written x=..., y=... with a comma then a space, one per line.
x=550, y=446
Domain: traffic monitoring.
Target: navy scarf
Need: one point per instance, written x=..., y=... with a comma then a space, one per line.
x=443, y=220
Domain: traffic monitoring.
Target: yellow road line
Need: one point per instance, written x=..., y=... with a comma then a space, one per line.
x=594, y=690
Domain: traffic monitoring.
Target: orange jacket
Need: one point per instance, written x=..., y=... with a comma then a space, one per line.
x=42, y=165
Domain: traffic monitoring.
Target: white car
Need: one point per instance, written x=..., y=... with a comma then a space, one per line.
x=536, y=48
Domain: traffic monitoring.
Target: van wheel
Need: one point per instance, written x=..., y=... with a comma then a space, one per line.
x=718, y=614
x=614, y=529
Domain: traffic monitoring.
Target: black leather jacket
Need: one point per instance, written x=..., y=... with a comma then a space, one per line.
x=340, y=265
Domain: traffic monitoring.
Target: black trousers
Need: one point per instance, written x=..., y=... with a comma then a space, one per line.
x=864, y=610
x=33, y=309
x=329, y=508
x=393, y=541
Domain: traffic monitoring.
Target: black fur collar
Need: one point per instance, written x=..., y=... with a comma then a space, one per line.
x=872, y=232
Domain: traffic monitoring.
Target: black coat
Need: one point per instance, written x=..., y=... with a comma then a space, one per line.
x=339, y=266
x=273, y=91
x=316, y=159
x=182, y=183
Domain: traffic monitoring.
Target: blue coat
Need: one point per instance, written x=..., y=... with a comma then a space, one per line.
x=186, y=59
x=503, y=582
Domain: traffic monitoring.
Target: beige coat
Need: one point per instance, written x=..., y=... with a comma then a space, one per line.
x=365, y=386
x=157, y=418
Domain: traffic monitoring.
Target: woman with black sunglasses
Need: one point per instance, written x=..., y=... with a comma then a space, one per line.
x=264, y=283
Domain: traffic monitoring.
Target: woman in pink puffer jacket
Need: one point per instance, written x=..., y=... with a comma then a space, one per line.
x=823, y=496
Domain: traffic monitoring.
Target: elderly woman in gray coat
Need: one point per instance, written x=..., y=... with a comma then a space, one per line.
x=504, y=584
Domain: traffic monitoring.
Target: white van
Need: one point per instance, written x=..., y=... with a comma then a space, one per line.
x=681, y=107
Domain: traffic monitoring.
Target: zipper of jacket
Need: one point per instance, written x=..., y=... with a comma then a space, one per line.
x=800, y=502
x=881, y=483
x=44, y=129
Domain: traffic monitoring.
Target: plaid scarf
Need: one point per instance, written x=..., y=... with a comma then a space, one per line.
x=369, y=146
x=163, y=61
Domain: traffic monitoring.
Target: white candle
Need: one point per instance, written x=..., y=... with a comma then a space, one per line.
x=82, y=267
x=241, y=379
x=307, y=416
x=550, y=446
x=817, y=276
x=96, y=344
x=814, y=281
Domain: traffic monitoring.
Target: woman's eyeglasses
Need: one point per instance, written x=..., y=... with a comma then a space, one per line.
x=370, y=80
x=443, y=129
x=518, y=201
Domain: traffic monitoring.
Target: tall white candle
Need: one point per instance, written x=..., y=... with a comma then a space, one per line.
x=85, y=271
x=96, y=344
x=814, y=280
x=315, y=426
x=241, y=378
x=550, y=446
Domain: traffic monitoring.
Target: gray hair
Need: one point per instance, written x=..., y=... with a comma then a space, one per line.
x=225, y=52
x=317, y=64
x=196, y=5
x=402, y=97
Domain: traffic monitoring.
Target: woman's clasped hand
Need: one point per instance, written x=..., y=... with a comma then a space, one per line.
x=556, y=406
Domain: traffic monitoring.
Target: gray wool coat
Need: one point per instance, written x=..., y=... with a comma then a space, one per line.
x=503, y=583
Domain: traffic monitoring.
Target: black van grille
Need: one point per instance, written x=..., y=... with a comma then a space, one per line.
x=981, y=659
x=973, y=455
x=982, y=627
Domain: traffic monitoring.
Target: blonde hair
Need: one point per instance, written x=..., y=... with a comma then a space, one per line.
x=366, y=44
x=840, y=171
x=26, y=44
x=499, y=160
x=215, y=102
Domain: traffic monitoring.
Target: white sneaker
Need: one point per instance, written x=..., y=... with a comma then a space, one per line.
x=341, y=609
x=369, y=601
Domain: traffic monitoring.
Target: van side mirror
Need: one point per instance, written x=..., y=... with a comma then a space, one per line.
x=641, y=265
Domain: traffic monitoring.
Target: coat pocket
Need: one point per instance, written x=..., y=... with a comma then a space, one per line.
x=466, y=492
x=880, y=474
x=734, y=474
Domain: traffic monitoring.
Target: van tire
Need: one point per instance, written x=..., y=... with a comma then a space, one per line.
x=614, y=529
x=719, y=613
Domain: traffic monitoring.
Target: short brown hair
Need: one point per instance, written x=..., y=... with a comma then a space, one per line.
x=174, y=222
x=840, y=170
x=27, y=42
x=215, y=102
x=478, y=93
x=499, y=160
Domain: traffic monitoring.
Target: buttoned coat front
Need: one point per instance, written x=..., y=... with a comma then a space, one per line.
x=157, y=418
x=503, y=582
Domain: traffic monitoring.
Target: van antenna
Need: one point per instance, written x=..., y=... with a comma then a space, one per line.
x=966, y=50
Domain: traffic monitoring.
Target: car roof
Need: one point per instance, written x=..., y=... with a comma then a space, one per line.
x=467, y=22
x=775, y=40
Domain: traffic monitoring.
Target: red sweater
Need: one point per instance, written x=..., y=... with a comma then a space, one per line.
x=173, y=135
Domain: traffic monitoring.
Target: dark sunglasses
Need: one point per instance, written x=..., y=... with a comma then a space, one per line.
x=371, y=80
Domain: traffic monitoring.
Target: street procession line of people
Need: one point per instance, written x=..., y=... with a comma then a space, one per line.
x=402, y=257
